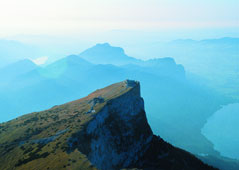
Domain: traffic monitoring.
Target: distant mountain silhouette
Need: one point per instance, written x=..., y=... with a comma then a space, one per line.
x=219, y=41
x=107, y=54
x=69, y=66
x=12, y=51
x=215, y=60
x=16, y=69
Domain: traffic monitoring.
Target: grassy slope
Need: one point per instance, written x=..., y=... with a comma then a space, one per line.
x=19, y=150
x=39, y=140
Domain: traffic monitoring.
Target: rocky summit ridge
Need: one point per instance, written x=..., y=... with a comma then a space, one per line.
x=107, y=130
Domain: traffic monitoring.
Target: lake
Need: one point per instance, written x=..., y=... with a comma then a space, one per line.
x=222, y=129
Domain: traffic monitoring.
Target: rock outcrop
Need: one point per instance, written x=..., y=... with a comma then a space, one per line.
x=107, y=130
x=119, y=134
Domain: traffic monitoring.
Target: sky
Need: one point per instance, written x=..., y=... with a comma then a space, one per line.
x=73, y=17
x=63, y=27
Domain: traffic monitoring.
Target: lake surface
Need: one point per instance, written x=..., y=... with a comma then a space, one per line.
x=222, y=129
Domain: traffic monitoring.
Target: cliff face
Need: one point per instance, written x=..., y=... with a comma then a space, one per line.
x=118, y=134
x=106, y=130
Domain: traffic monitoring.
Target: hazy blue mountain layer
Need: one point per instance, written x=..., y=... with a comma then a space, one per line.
x=215, y=60
x=12, y=51
x=106, y=54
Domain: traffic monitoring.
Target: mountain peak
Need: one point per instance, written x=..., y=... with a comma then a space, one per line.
x=114, y=90
x=22, y=62
x=106, y=130
x=104, y=45
x=106, y=54
x=17, y=68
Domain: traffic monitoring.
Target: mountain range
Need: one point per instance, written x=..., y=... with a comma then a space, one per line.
x=177, y=107
x=11, y=51
x=213, y=60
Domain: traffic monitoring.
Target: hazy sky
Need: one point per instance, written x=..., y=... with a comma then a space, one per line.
x=62, y=27
x=69, y=17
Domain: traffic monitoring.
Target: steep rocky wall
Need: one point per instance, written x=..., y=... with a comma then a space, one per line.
x=119, y=134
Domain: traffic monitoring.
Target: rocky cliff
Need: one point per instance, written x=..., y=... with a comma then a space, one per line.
x=107, y=130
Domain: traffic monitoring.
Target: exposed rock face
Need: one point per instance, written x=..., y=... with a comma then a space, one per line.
x=119, y=133
x=119, y=136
